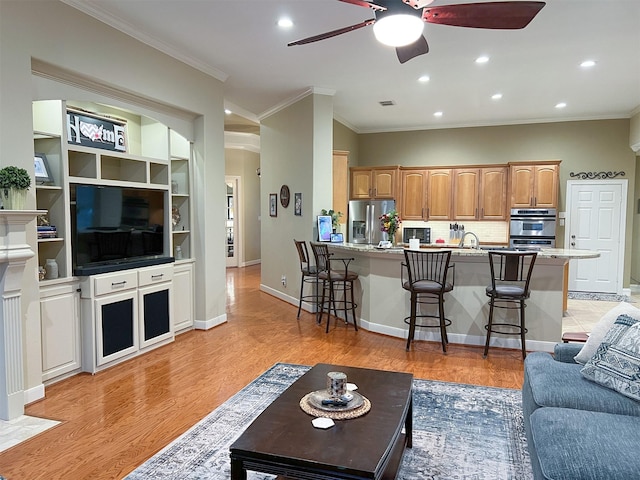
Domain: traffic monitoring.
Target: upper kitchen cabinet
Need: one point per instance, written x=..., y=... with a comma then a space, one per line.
x=373, y=182
x=480, y=193
x=534, y=185
x=413, y=194
x=439, y=194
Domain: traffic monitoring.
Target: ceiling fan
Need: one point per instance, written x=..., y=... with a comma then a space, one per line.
x=399, y=23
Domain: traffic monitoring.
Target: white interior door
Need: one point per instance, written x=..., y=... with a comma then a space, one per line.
x=596, y=221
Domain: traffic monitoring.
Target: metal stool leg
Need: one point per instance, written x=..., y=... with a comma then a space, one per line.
x=489, y=326
x=412, y=320
x=353, y=309
x=522, y=330
x=301, y=291
x=443, y=329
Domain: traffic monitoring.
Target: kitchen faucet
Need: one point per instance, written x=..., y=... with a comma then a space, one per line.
x=461, y=244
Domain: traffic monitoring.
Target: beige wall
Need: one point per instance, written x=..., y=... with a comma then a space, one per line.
x=581, y=146
x=296, y=150
x=102, y=64
x=243, y=163
x=346, y=140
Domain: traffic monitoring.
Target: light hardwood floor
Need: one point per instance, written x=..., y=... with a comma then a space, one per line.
x=115, y=420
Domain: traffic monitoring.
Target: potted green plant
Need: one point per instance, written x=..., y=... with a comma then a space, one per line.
x=14, y=183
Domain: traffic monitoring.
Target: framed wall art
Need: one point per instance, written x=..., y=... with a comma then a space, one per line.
x=42, y=169
x=273, y=204
x=297, y=205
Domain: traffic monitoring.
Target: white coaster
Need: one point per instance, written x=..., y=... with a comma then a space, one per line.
x=322, y=422
x=352, y=386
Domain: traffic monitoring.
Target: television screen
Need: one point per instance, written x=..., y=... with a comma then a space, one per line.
x=116, y=227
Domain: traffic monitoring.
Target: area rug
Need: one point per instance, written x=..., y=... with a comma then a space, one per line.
x=459, y=432
x=605, y=297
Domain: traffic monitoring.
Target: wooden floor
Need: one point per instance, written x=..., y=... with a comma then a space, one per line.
x=115, y=420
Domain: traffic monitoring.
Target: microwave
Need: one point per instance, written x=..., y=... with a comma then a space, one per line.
x=424, y=234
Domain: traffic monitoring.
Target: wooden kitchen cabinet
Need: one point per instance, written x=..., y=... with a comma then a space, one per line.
x=480, y=193
x=413, y=194
x=534, y=185
x=492, y=203
x=373, y=182
x=466, y=187
x=439, y=194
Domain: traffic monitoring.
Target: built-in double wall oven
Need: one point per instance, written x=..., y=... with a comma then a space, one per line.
x=532, y=228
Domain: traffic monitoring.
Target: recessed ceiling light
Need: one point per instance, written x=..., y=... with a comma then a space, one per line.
x=438, y=114
x=482, y=59
x=561, y=105
x=227, y=111
x=496, y=96
x=424, y=78
x=588, y=64
x=285, y=23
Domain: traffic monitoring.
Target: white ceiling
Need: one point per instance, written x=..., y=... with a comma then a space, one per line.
x=239, y=42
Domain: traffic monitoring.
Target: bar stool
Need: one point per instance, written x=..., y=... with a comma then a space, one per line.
x=427, y=282
x=335, y=279
x=309, y=274
x=510, y=277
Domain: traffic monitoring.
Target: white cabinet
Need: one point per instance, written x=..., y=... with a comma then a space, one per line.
x=155, y=302
x=60, y=330
x=124, y=314
x=183, y=294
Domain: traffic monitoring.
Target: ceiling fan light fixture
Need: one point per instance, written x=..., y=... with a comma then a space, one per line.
x=398, y=30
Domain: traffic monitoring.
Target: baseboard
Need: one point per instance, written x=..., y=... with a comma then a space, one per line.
x=459, y=338
x=278, y=294
x=212, y=322
x=251, y=262
x=33, y=394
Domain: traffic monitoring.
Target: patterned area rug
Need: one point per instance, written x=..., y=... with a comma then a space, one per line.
x=606, y=297
x=459, y=432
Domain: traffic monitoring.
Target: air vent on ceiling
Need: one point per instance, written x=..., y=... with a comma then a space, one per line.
x=387, y=103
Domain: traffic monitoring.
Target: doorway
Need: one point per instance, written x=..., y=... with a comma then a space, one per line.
x=232, y=223
x=596, y=220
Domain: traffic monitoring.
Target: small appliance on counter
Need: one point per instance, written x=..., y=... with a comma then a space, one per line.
x=422, y=234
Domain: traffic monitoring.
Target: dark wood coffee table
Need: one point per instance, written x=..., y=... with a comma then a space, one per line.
x=282, y=440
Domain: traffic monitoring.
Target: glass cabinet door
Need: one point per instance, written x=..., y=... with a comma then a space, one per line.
x=230, y=246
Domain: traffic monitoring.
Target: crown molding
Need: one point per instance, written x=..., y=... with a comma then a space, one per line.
x=296, y=98
x=107, y=18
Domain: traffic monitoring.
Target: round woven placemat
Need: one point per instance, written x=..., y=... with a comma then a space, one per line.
x=334, y=415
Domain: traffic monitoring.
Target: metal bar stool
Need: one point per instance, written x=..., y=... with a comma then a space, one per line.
x=427, y=281
x=510, y=277
x=335, y=279
x=309, y=275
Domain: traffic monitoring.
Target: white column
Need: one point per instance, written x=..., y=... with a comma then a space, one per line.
x=14, y=253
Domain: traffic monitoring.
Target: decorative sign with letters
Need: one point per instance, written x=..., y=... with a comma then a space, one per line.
x=92, y=130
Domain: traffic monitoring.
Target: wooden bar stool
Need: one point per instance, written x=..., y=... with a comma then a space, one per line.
x=510, y=277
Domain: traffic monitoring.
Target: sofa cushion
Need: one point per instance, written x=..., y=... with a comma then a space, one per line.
x=602, y=327
x=549, y=383
x=616, y=363
x=577, y=444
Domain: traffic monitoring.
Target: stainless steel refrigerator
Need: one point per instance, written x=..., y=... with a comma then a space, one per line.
x=364, y=222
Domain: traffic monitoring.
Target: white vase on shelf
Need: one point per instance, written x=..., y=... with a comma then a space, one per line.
x=51, y=268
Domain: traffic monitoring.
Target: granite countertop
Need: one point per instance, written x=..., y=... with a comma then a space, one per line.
x=467, y=252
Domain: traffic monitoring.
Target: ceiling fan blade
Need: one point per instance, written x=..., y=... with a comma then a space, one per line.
x=332, y=33
x=362, y=3
x=419, y=47
x=493, y=15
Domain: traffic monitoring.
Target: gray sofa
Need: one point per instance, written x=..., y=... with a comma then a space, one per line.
x=577, y=429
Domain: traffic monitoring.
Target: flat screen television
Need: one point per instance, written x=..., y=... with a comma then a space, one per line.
x=115, y=228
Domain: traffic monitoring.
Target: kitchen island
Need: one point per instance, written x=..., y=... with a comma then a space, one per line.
x=383, y=304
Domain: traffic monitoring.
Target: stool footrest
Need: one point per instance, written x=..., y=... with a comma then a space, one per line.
x=509, y=325
x=447, y=321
